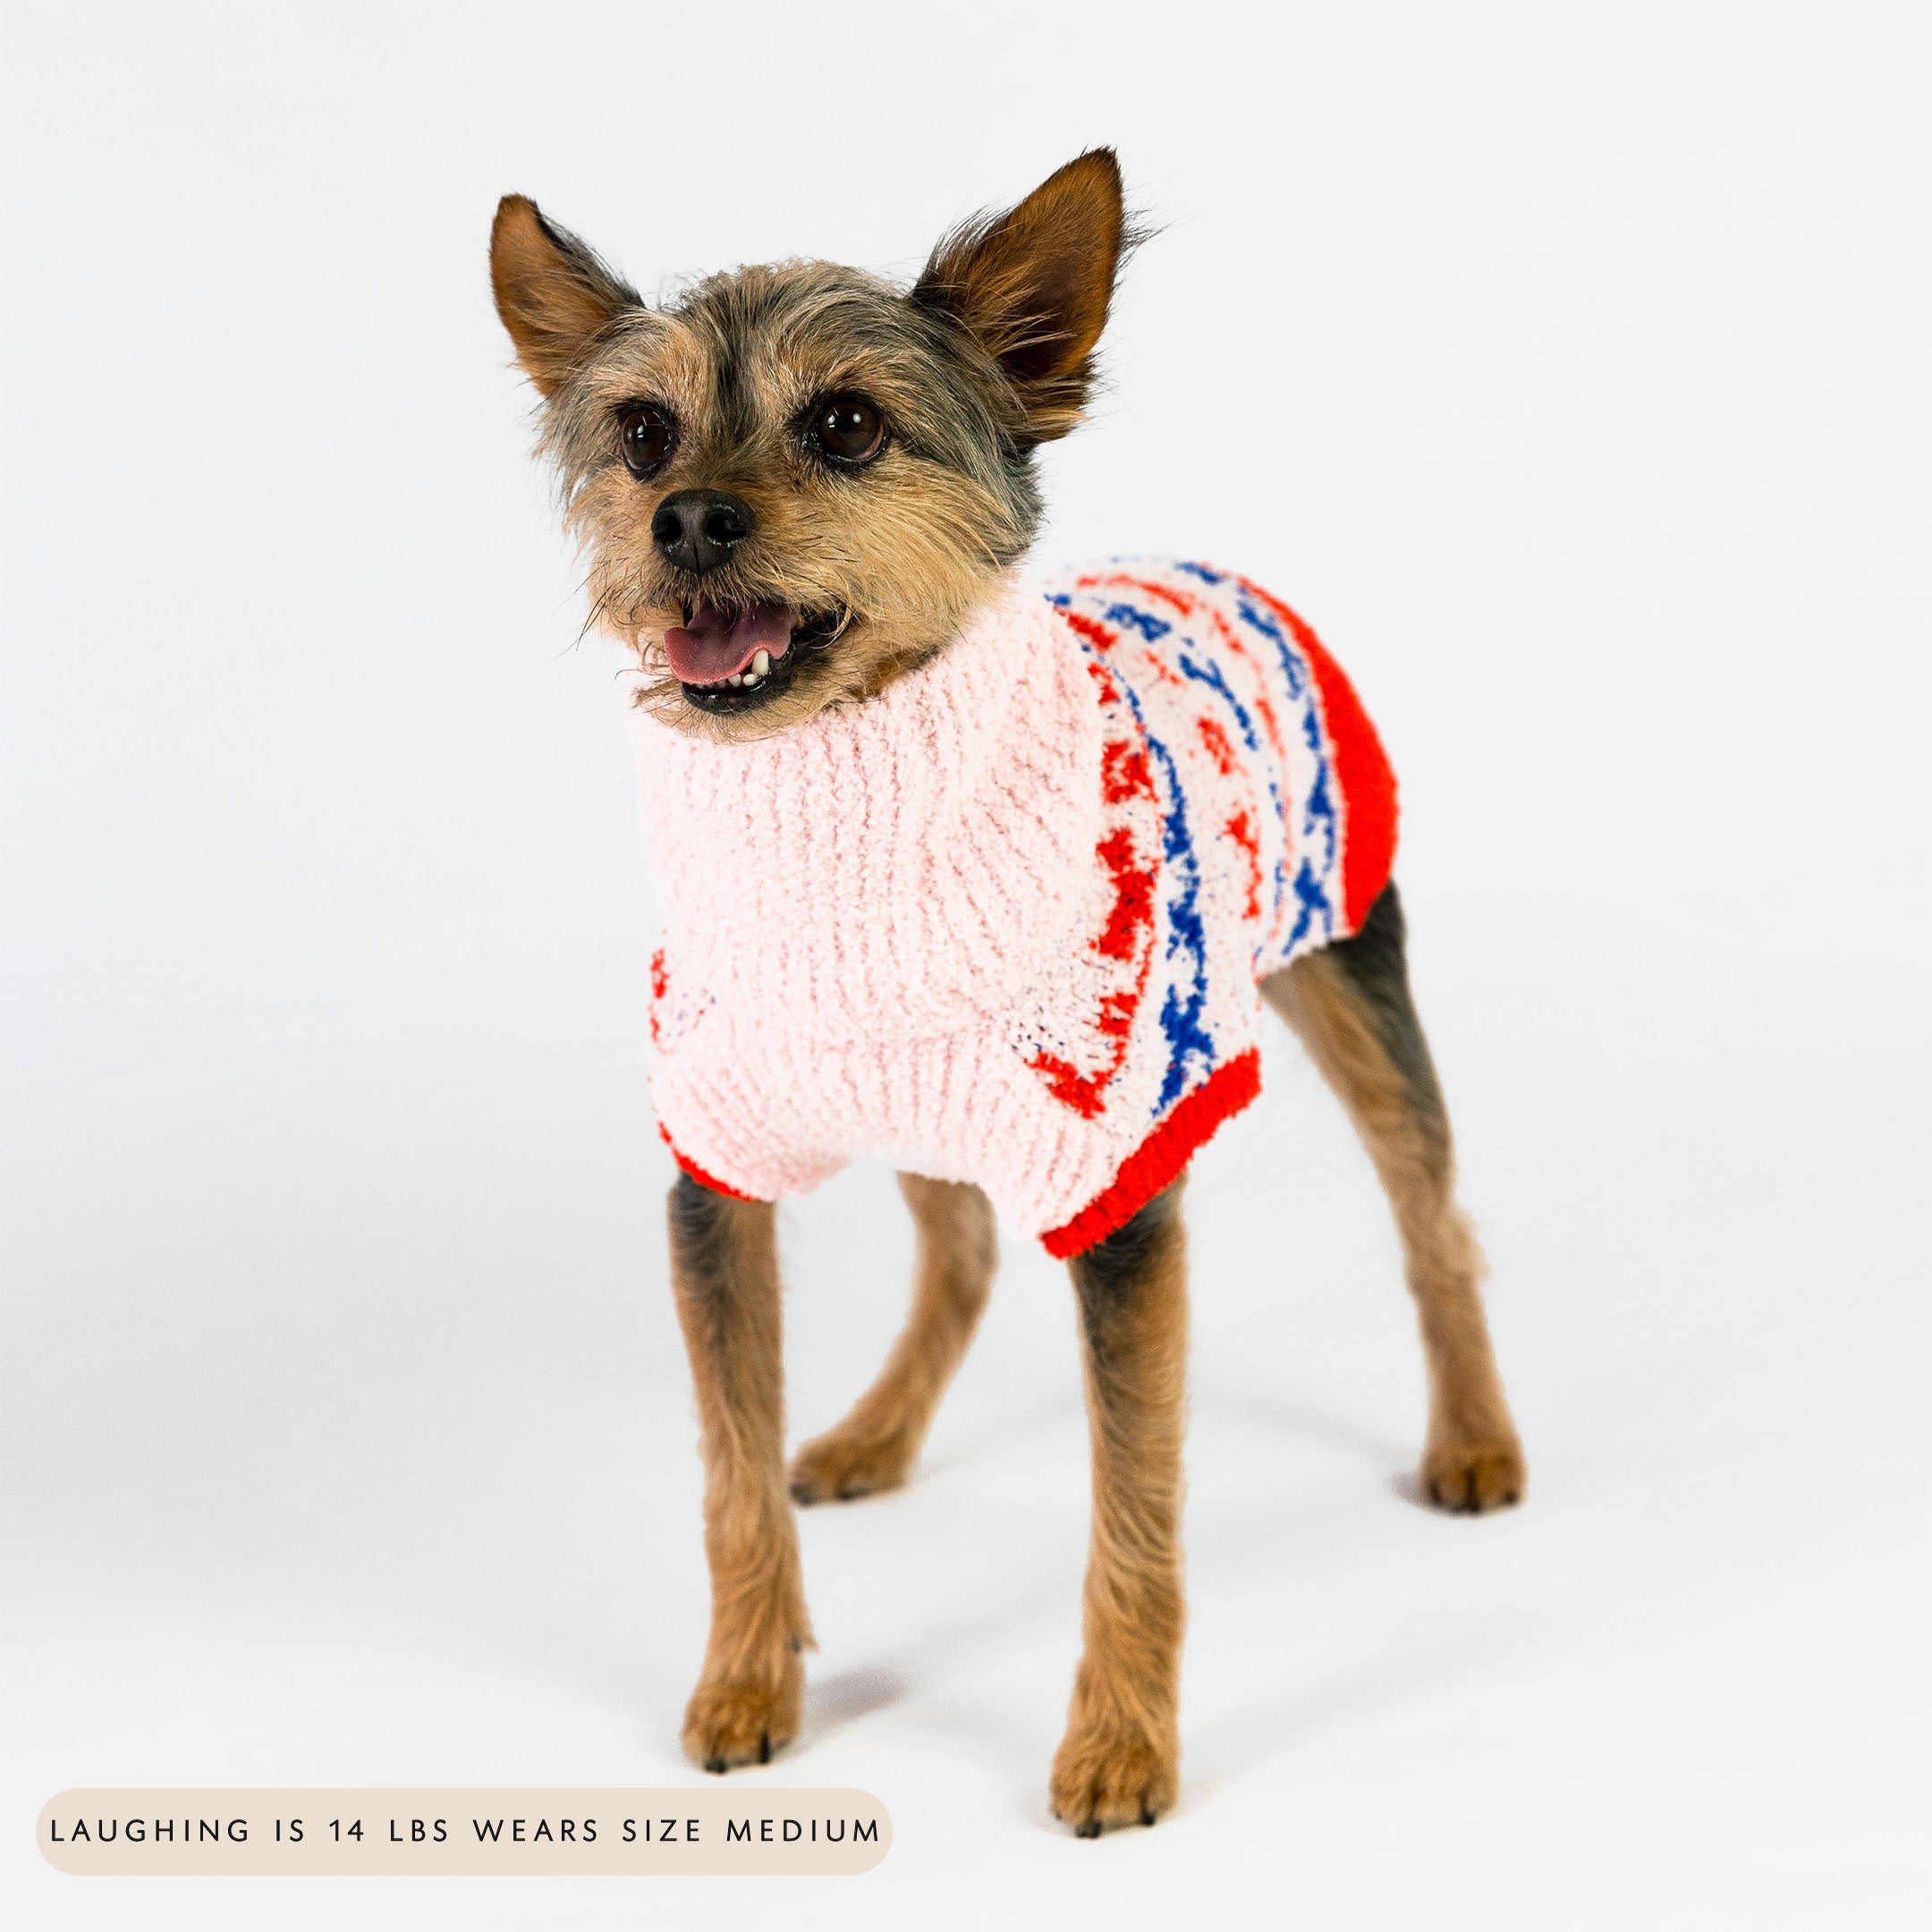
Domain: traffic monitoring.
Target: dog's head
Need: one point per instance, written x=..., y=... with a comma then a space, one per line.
x=794, y=482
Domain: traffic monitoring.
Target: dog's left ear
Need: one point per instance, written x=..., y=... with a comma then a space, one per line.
x=1034, y=285
x=553, y=294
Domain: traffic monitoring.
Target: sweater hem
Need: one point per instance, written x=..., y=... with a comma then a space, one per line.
x=1157, y=1162
x=1370, y=811
x=697, y=1172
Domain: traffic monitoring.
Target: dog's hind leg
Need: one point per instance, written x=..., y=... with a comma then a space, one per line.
x=1119, y=1761
x=725, y=1273
x=877, y=1445
x=1351, y=1005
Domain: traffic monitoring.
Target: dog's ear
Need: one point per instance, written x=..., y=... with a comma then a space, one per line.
x=1034, y=285
x=554, y=296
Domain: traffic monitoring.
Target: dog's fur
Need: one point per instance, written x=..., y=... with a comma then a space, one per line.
x=989, y=355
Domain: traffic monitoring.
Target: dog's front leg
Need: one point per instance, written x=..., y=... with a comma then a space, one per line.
x=1118, y=1763
x=724, y=1271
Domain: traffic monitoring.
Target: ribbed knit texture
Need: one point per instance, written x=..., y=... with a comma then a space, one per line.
x=1002, y=923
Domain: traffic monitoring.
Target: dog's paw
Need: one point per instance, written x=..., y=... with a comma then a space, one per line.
x=1471, y=1478
x=839, y=1466
x=728, y=1723
x=1105, y=1773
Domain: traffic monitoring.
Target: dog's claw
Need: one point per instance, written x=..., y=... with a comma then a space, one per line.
x=1104, y=1775
x=1470, y=1478
x=844, y=1464
x=739, y=1723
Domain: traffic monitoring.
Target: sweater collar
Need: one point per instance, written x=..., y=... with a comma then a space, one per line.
x=891, y=868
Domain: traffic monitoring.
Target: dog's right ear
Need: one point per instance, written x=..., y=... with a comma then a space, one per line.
x=554, y=296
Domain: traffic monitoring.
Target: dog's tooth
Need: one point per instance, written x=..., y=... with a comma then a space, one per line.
x=734, y=679
x=761, y=662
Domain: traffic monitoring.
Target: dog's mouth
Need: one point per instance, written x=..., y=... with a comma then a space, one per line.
x=730, y=658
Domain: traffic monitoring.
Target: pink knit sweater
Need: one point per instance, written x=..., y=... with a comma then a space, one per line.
x=1002, y=923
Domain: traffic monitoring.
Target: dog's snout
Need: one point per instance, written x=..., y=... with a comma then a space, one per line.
x=699, y=530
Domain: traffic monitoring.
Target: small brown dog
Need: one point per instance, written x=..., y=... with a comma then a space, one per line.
x=799, y=488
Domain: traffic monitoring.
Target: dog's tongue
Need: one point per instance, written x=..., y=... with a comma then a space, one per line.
x=716, y=644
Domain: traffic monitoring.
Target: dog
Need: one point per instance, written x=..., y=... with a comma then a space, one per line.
x=990, y=880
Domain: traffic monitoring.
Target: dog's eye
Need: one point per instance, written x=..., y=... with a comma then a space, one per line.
x=647, y=434
x=848, y=428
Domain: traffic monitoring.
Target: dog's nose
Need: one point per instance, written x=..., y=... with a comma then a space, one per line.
x=699, y=530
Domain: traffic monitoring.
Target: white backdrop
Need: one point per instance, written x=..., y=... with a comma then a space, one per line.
x=1568, y=371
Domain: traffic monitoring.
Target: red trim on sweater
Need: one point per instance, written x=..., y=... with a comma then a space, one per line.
x=696, y=1172
x=1362, y=775
x=1158, y=1160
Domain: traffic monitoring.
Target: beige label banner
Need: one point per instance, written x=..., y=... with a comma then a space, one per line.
x=699, y=1830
